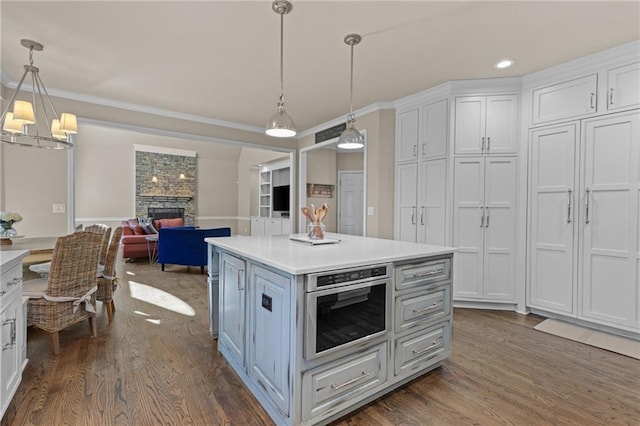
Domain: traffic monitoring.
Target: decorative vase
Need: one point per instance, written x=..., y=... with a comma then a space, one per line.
x=6, y=229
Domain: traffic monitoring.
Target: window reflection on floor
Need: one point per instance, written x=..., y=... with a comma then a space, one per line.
x=160, y=298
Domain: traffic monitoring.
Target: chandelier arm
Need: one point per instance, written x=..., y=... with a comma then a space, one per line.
x=15, y=95
x=34, y=100
x=48, y=120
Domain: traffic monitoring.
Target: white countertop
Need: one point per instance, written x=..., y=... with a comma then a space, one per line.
x=299, y=258
x=7, y=256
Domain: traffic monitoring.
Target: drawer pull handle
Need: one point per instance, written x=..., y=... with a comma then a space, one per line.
x=13, y=334
x=428, y=308
x=15, y=281
x=428, y=273
x=336, y=387
x=428, y=348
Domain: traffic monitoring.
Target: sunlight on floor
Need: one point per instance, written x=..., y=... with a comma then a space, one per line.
x=160, y=298
x=130, y=273
x=144, y=314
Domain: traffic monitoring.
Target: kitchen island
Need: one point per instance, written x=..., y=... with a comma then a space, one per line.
x=316, y=331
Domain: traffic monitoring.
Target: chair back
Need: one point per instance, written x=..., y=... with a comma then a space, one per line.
x=74, y=264
x=105, y=231
x=112, y=253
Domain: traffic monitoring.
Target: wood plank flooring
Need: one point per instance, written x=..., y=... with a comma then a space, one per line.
x=156, y=364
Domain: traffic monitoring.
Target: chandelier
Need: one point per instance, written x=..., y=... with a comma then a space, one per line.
x=36, y=123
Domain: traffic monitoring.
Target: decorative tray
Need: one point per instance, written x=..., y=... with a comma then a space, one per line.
x=311, y=242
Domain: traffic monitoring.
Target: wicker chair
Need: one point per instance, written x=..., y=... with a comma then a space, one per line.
x=105, y=231
x=108, y=282
x=67, y=296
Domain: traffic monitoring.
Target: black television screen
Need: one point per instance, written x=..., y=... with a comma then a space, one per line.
x=281, y=198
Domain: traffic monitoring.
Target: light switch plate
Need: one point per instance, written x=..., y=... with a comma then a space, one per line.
x=58, y=208
x=370, y=211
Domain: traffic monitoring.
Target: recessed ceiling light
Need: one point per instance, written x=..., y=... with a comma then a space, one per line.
x=504, y=63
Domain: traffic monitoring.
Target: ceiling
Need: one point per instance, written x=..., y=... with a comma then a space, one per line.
x=221, y=59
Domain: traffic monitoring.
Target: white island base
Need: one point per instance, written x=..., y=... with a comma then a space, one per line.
x=317, y=331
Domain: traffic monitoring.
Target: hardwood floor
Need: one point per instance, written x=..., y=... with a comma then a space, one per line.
x=156, y=364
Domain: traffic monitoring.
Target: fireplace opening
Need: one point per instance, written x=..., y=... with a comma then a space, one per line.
x=165, y=212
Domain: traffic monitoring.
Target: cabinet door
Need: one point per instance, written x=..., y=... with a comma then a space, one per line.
x=271, y=335
x=553, y=204
x=610, y=247
x=257, y=226
x=406, y=190
x=434, y=125
x=10, y=341
x=566, y=100
x=502, y=124
x=499, y=228
x=232, y=307
x=273, y=227
x=470, y=124
x=623, y=86
x=468, y=206
x=433, y=185
x=407, y=136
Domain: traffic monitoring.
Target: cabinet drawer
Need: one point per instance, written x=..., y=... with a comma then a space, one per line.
x=420, y=350
x=10, y=278
x=570, y=99
x=417, y=274
x=331, y=388
x=418, y=308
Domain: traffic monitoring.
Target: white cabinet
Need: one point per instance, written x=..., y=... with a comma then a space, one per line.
x=407, y=201
x=552, y=201
x=274, y=226
x=432, y=195
x=269, y=357
x=12, y=326
x=264, y=201
x=623, y=87
x=421, y=185
x=484, y=227
x=422, y=132
x=566, y=100
x=407, y=128
x=486, y=125
x=231, y=334
x=433, y=130
x=609, y=271
x=584, y=224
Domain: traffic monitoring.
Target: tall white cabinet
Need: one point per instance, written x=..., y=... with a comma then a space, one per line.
x=485, y=178
x=421, y=172
x=583, y=243
x=584, y=219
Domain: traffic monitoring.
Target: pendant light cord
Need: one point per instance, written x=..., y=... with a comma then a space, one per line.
x=351, y=89
x=282, y=58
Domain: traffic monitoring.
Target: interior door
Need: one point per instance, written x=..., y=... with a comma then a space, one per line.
x=468, y=225
x=610, y=219
x=499, y=228
x=351, y=203
x=553, y=206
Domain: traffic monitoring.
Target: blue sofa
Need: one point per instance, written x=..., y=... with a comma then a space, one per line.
x=185, y=245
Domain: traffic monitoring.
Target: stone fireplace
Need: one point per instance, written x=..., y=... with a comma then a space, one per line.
x=166, y=180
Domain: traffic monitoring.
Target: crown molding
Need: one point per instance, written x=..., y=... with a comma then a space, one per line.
x=164, y=150
x=133, y=107
x=378, y=106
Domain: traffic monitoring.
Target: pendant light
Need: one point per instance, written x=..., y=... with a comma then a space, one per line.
x=25, y=124
x=351, y=138
x=280, y=124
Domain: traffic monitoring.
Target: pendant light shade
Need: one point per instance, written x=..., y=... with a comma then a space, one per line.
x=280, y=124
x=351, y=138
x=36, y=123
